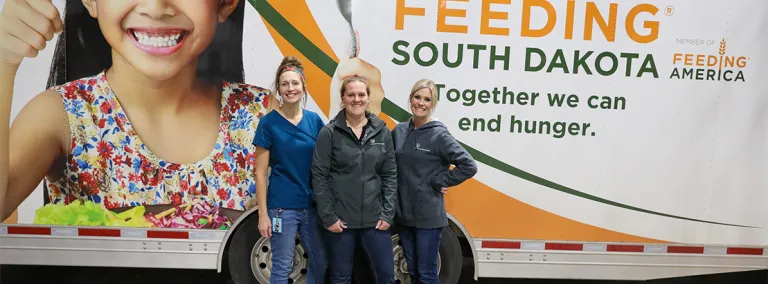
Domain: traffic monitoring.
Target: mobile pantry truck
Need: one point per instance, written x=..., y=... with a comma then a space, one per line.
x=615, y=140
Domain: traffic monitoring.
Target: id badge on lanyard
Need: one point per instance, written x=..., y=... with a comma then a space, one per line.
x=277, y=222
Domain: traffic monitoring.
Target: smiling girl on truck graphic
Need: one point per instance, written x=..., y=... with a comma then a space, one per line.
x=154, y=116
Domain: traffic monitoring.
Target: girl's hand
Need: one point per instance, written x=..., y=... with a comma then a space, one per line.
x=444, y=191
x=356, y=66
x=25, y=27
x=265, y=227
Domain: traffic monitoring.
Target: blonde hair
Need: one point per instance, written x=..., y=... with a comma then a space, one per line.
x=425, y=84
x=349, y=80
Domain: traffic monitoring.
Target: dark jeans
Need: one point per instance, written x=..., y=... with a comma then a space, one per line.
x=420, y=247
x=306, y=223
x=376, y=244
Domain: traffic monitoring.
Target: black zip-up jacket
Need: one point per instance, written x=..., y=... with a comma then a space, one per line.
x=354, y=180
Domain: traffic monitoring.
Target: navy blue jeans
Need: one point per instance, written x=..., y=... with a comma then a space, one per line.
x=304, y=222
x=376, y=244
x=420, y=247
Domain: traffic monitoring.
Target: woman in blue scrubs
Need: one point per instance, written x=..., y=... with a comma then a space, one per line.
x=285, y=140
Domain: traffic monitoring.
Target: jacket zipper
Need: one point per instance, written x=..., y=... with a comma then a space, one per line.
x=361, y=144
x=362, y=181
x=362, y=167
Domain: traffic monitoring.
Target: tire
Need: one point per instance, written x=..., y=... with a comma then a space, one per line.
x=449, y=265
x=239, y=252
x=250, y=256
x=451, y=257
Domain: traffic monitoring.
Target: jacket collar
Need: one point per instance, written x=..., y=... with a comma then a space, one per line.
x=376, y=124
x=430, y=124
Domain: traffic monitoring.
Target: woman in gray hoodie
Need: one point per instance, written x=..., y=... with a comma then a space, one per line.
x=425, y=150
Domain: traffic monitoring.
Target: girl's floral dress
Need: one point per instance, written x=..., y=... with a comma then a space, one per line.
x=108, y=164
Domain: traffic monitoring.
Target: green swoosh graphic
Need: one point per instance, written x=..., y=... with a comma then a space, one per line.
x=294, y=37
x=499, y=165
x=328, y=65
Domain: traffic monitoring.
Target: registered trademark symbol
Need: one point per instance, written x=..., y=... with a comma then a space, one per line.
x=669, y=10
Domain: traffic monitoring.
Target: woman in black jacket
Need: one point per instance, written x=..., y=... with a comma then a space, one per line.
x=354, y=179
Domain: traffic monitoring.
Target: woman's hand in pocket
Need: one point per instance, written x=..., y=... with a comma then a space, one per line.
x=337, y=227
x=382, y=225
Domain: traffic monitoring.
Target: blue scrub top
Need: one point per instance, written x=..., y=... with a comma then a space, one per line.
x=290, y=156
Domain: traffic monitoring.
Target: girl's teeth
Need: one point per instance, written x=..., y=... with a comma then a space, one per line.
x=162, y=41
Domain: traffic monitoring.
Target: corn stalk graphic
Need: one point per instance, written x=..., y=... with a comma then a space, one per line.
x=723, y=46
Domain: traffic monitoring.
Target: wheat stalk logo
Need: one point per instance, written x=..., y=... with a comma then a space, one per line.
x=723, y=46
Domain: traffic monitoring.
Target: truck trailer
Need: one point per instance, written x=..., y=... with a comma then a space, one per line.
x=615, y=140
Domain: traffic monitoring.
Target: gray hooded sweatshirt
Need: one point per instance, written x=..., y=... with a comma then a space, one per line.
x=424, y=156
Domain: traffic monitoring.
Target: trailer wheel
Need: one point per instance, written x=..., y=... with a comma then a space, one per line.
x=250, y=256
x=449, y=264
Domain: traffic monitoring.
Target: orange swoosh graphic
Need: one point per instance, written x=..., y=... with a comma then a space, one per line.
x=475, y=204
